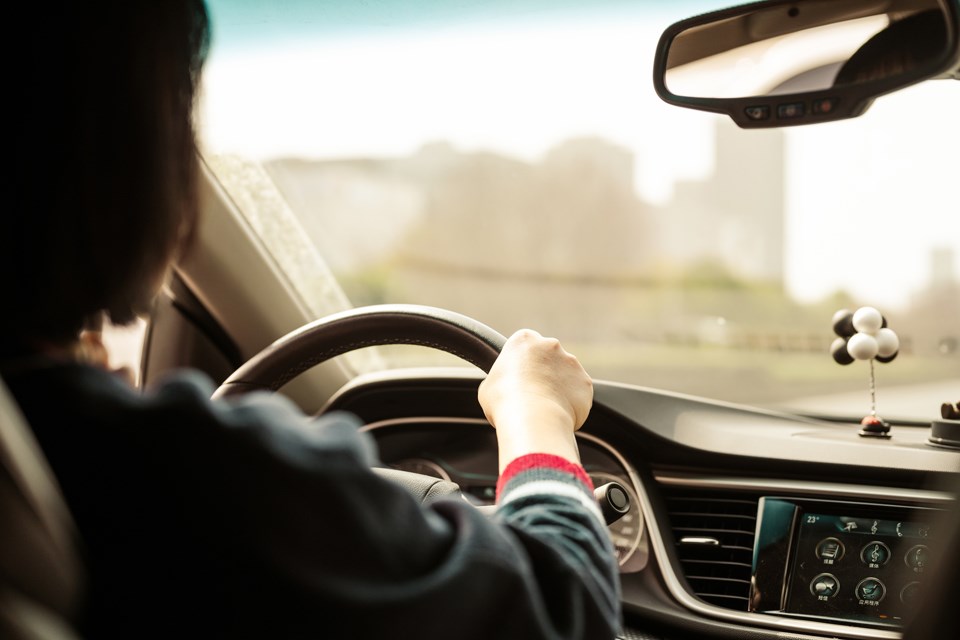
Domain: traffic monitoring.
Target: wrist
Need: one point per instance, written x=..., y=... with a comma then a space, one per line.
x=520, y=413
x=535, y=428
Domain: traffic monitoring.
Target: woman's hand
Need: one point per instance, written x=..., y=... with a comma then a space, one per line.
x=536, y=396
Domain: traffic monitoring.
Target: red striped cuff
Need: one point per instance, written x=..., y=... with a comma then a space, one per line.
x=545, y=462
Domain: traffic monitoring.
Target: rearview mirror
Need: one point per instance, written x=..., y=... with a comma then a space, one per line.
x=781, y=63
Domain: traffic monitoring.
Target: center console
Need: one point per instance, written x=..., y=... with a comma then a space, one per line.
x=855, y=563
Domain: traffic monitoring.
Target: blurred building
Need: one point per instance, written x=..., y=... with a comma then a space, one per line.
x=563, y=244
x=734, y=220
x=933, y=319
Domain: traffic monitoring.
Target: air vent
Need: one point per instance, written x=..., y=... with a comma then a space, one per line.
x=714, y=533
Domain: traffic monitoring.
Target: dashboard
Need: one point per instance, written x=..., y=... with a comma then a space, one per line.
x=464, y=451
x=742, y=522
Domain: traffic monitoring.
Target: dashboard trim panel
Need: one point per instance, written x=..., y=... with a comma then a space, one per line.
x=807, y=488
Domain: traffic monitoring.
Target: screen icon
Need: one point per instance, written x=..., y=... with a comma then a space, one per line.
x=825, y=586
x=829, y=550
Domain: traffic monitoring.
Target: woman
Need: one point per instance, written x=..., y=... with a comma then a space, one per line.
x=248, y=519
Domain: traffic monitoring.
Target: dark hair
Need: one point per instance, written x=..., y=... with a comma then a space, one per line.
x=105, y=164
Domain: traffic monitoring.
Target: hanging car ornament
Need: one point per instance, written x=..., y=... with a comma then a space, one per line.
x=864, y=335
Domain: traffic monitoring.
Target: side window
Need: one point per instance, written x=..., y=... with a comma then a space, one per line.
x=125, y=346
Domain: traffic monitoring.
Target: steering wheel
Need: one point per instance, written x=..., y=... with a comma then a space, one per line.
x=370, y=326
x=385, y=324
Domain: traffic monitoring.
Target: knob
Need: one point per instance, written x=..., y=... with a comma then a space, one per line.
x=613, y=500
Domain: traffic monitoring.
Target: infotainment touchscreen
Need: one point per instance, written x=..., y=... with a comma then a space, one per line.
x=850, y=562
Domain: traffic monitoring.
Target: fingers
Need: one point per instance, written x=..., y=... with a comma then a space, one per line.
x=533, y=369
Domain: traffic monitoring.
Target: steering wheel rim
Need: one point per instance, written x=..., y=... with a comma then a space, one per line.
x=369, y=326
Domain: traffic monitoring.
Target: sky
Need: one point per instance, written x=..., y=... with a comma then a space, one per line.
x=867, y=199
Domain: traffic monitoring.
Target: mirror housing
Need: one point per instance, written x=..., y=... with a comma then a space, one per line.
x=781, y=63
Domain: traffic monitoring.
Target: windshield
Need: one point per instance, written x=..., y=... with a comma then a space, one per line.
x=510, y=161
